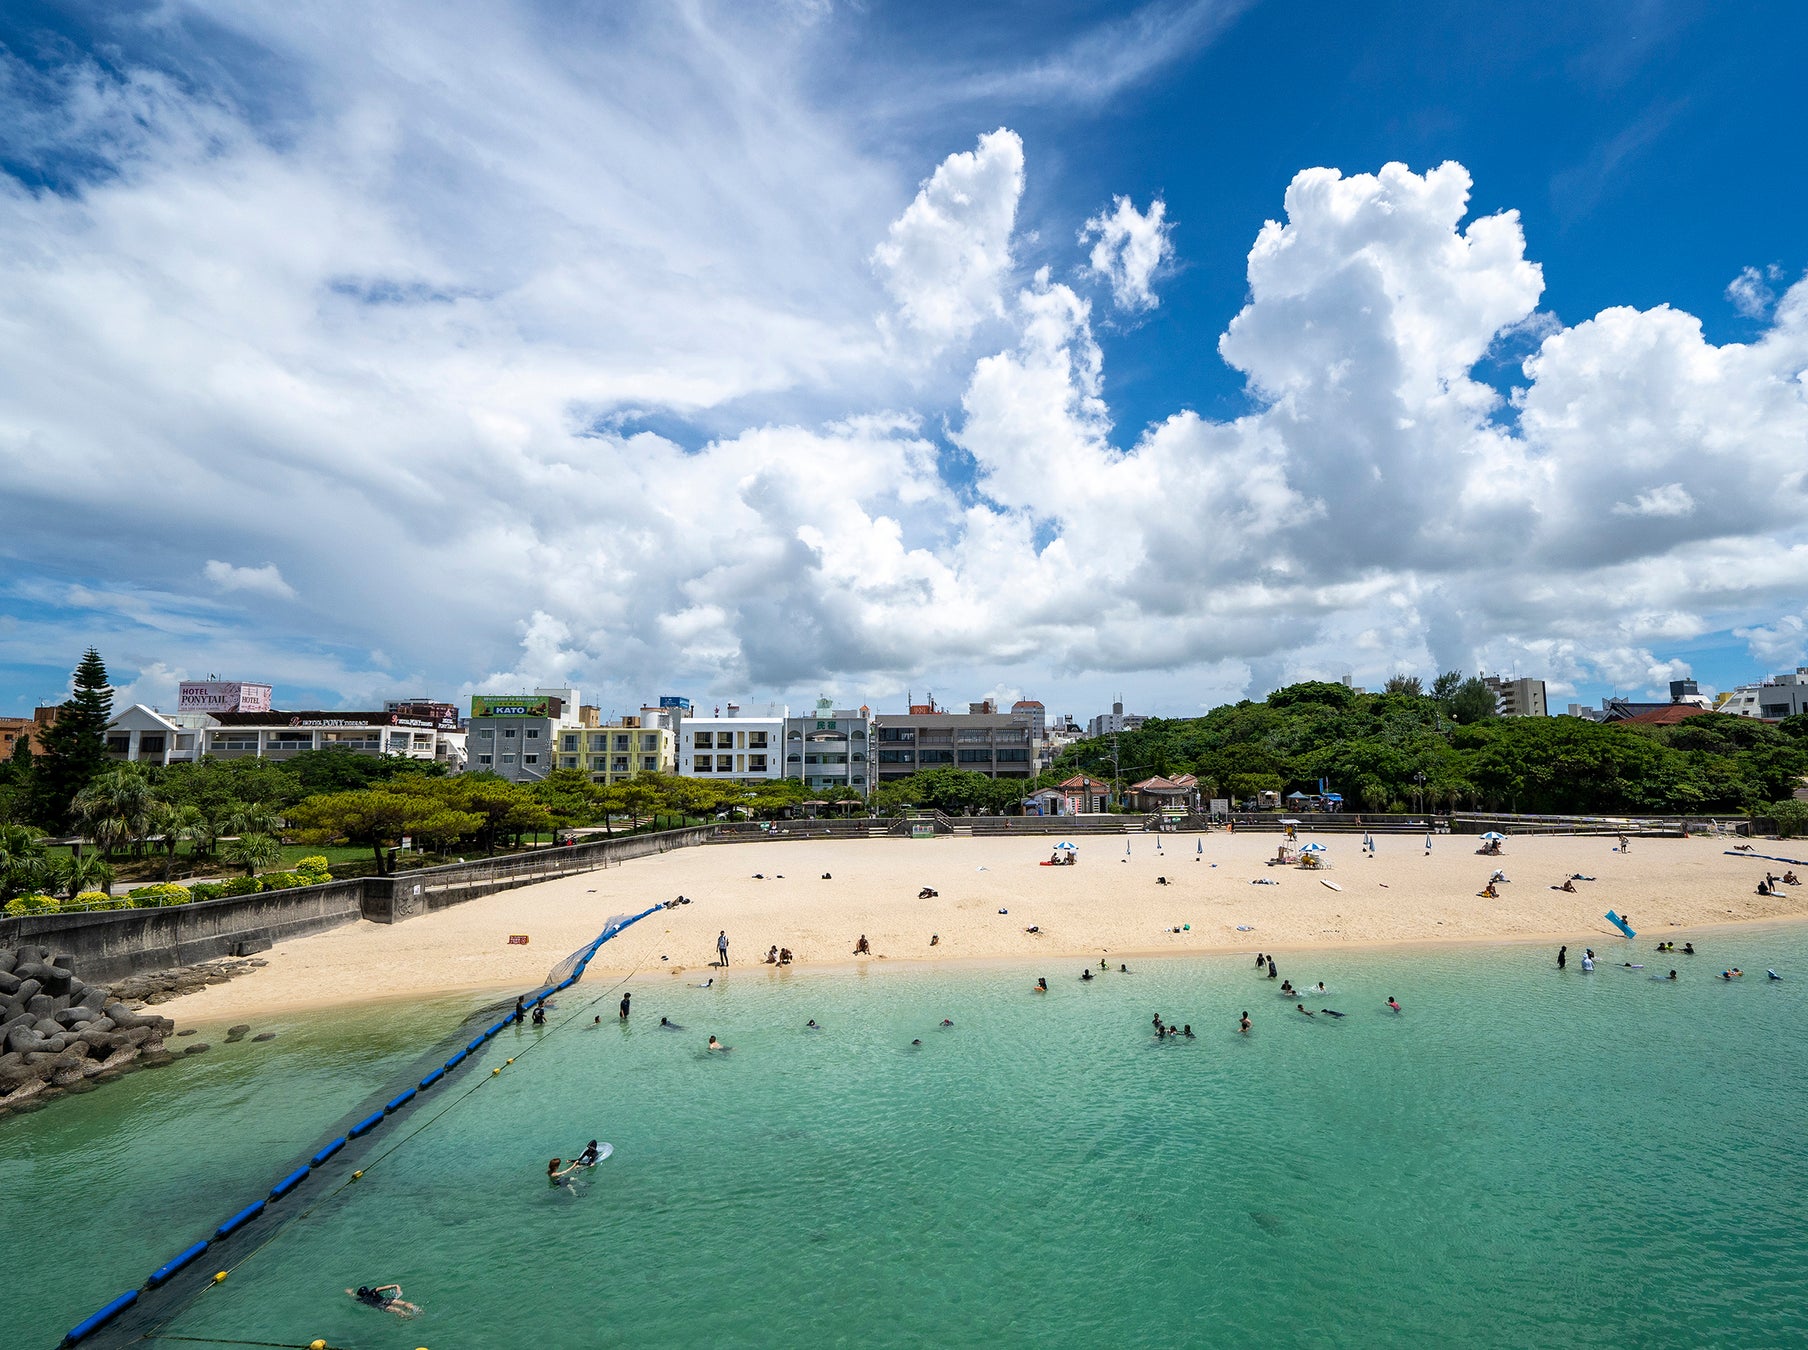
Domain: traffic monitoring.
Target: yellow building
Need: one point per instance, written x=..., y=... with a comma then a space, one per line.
x=620, y=750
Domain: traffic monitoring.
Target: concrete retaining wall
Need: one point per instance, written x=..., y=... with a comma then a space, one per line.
x=111, y=944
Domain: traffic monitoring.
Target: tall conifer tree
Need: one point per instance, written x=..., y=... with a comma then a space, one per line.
x=75, y=748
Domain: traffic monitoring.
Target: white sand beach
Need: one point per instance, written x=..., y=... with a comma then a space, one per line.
x=1110, y=904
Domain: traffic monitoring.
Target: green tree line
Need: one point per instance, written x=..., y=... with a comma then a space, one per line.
x=1403, y=749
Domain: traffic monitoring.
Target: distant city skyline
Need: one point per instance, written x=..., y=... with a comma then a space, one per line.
x=1180, y=351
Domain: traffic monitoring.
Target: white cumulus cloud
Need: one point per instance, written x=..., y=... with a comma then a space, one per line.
x=1128, y=246
x=265, y=580
x=946, y=258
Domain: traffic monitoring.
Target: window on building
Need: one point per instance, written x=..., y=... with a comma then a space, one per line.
x=649, y=742
x=756, y=740
x=971, y=756
x=704, y=740
x=857, y=734
x=931, y=756
x=621, y=743
x=897, y=757
x=648, y=763
x=118, y=745
x=487, y=734
x=569, y=762
x=599, y=742
x=724, y=763
x=756, y=764
x=508, y=759
x=619, y=764
x=533, y=733
x=1013, y=756
x=508, y=733
x=530, y=759
x=569, y=743
x=485, y=759
x=150, y=745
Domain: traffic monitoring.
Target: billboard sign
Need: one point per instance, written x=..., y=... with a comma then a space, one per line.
x=222, y=696
x=492, y=705
x=675, y=701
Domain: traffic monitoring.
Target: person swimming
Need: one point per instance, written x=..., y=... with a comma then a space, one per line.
x=1123, y=970
x=1330, y=1012
x=1086, y=974
x=1187, y=1032
x=1688, y=949
x=705, y=985
x=1156, y=1023
x=714, y=1044
x=387, y=1297
x=916, y=1041
x=1243, y=1022
x=946, y=1022
x=667, y=1024
x=559, y=1178
x=1302, y=1007
x=1287, y=990
x=1041, y=985
x=1390, y=1003
x=811, y=1025
x=1671, y=975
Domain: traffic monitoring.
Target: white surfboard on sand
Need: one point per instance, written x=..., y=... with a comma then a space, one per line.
x=1332, y=884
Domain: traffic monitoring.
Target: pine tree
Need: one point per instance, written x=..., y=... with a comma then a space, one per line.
x=75, y=748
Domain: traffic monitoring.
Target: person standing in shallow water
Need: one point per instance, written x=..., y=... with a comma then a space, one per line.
x=624, y=1004
x=1562, y=957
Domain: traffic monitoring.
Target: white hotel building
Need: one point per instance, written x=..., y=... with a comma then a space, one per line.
x=745, y=746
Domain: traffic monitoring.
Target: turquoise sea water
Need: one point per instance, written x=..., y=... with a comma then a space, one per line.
x=1522, y=1158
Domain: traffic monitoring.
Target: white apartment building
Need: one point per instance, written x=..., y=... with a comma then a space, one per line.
x=143, y=735
x=745, y=746
x=1775, y=698
x=828, y=747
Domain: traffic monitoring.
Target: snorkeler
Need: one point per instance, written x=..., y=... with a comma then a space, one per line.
x=388, y=1297
x=667, y=1024
x=1330, y=1012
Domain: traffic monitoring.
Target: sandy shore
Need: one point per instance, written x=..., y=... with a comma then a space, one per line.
x=1109, y=904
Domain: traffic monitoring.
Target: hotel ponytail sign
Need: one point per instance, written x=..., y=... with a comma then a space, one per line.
x=219, y=696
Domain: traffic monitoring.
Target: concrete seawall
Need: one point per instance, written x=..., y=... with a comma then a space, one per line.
x=112, y=944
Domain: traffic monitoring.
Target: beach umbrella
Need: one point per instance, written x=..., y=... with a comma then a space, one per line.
x=1494, y=834
x=1065, y=844
x=1289, y=821
x=1428, y=843
x=1199, y=846
x=1312, y=848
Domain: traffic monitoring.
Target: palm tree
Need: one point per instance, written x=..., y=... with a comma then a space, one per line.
x=84, y=872
x=21, y=860
x=115, y=808
x=251, y=818
x=252, y=851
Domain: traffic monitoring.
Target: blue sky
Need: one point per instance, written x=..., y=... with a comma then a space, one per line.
x=755, y=351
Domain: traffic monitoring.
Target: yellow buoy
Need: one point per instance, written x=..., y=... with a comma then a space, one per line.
x=508, y=1061
x=316, y=1345
x=218, y=1276
x=494, y=1072
x=357, y=1174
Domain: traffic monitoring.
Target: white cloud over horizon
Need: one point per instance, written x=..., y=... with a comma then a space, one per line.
x=524, y=411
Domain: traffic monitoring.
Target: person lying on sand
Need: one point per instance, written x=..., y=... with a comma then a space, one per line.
x=927, y=893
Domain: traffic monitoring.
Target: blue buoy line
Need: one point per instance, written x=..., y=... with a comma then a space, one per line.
x=567, y=973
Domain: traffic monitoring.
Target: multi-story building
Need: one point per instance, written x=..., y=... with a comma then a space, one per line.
x=614, y=752
x=1774, y=698
x=1115, y=720
x=1517, y=698
x=144, y=735
x=996, y=744
x=516, y=735
x=830, y=747
x=745, y=746
x=12, y=731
